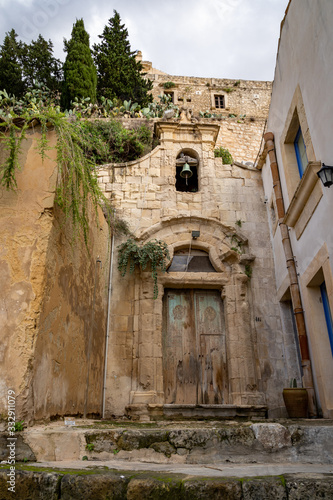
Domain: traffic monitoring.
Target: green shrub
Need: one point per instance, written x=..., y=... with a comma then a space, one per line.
x=169, y=85
x=224, y=154
x=109, y=142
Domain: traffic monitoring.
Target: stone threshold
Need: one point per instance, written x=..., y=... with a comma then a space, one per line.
x=154, y=412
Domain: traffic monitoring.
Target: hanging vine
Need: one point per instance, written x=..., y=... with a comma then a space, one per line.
x=80, y=144
x=132, y=255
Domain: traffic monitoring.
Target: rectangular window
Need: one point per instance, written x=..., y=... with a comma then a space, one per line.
x=300, y=150
x=327, y=311
x=170, y=94
x=219, y=101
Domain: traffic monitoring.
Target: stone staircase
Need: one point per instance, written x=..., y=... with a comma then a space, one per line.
x=299, y=450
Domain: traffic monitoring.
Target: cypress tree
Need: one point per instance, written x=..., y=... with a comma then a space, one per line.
x=11, y=78
x=118, y=73
x=39, y=64
x=80, y=76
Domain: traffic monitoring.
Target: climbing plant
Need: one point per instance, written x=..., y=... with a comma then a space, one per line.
x=132, y=255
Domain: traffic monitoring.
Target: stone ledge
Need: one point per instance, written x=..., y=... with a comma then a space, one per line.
x=78, y=484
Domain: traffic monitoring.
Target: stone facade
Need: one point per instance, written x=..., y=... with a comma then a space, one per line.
x=239, y=97
x=229, y=210
x=211, y=337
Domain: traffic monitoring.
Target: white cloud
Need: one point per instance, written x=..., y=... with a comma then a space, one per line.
x=212, y=38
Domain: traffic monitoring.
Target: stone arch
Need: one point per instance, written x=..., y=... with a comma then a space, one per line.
x=215, y=238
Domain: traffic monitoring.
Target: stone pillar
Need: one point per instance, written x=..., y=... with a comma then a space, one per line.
x=240, y=350
x=147, y=380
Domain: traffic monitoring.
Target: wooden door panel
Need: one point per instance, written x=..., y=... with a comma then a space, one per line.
x=212, y=352
x=194, y=354
x=180, y=353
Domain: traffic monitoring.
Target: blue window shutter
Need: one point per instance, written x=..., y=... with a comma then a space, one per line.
x=300, y=151
x=327, y=311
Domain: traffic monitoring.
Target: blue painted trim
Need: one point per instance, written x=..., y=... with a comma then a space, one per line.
x=327, y=312
x=297, y=151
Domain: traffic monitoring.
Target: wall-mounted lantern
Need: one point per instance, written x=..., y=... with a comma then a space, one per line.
x=325, y=174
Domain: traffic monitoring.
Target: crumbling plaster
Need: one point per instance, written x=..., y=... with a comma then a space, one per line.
x=46, y=296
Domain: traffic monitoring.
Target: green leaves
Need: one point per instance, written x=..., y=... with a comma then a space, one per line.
x=154, y=252
x=118, y=72
x=224, y=154
x=80, y=75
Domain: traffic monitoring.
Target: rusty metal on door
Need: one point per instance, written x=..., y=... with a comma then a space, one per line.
x=194, y=351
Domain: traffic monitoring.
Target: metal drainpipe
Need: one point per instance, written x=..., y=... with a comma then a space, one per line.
x=91, y=331
x=307, y=377
x=108, y=323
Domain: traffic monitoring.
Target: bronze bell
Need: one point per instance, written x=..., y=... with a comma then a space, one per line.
x=186, y=172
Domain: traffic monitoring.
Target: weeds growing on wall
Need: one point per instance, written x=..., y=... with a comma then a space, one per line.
x=224, y=154
x=132, y=255
x=81, y=145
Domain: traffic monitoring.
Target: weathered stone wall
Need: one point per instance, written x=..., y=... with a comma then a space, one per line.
x=229, y=204
x=47, y=293
x=242, y=97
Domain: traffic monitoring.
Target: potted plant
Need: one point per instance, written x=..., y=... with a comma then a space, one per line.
x=296, y=400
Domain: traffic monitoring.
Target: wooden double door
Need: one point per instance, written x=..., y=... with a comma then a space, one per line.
x=194, y=347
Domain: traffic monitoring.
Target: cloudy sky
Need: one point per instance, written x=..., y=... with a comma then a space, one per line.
x=209, y=38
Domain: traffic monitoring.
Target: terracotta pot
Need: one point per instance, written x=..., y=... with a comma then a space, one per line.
x=296, y=401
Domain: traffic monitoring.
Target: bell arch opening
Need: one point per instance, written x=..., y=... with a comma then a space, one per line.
x=187, y=168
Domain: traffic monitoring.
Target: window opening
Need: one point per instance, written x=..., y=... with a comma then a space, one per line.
x=219, y=101
x=170, y=94
x=327, y=312
x=186, y=173
x=194, y=261
x=300, y=150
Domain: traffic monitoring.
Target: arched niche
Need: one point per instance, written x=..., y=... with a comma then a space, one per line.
x=187, y=179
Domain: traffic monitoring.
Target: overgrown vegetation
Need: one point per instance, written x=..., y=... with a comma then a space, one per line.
x=224, y=154
x=169, y=85
x=81, y=145
x=248, y=270
x=154, y=253
x=109, y=142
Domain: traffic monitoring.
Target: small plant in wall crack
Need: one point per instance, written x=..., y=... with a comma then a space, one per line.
x=224, y=154
x=237, y=244
x=248, y=270
x=154, y=252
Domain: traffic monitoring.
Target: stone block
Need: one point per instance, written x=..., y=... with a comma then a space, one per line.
x=272, y=437
x=146, y=350
x=264, y=489
x=309, y=488
x=119, y=323
x=93, y=486
x=31, y=485
x=195, y=489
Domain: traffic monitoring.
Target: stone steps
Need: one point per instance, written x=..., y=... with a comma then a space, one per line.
x=287, y=441
x=68, y=484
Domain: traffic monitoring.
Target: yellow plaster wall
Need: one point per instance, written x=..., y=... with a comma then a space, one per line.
x=46, y=295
